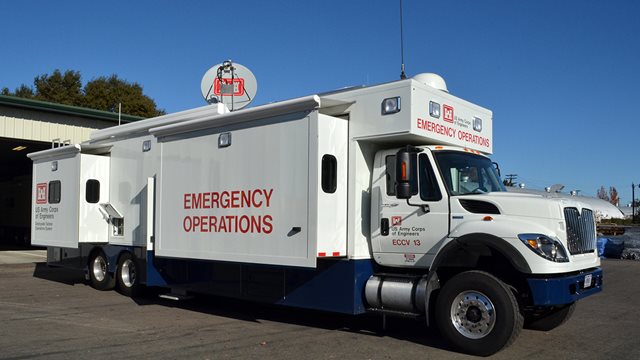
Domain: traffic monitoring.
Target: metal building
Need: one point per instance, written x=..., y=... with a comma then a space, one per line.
x=30, y=125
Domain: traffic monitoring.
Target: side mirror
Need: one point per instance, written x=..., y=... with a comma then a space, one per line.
x=405, y=171
x=497, y=168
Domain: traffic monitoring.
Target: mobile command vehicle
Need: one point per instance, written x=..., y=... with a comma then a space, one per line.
x=372, y=199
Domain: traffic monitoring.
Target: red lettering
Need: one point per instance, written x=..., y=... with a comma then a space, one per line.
x=213, y=223
x=224, y=199
x=267, y=227
x=255, y=224
x=399, y=242
x=267, y=196
x=196, y=201
x=254, y=202
x=244, y=224
x=246, y=198
x=235, y=196
x=215, y=197
x=186, y=223
x=187, y=203
x=206, y=200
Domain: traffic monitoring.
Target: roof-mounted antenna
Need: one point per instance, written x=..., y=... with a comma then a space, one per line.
x=402, y=74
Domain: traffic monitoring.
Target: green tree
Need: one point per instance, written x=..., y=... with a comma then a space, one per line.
x=105, y=93
x=60, y=88
x=24, y=92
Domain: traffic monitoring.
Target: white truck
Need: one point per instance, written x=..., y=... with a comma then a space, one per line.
x=372, y=199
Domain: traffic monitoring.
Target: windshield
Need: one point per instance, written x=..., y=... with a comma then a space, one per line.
x=466, y=173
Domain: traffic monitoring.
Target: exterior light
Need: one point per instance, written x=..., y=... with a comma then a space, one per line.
x=19, y=148
x=434, y=109
x=391, y=105
x=224, y=140
x=477, y=124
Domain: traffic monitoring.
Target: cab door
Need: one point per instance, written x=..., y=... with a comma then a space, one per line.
x=408, y=233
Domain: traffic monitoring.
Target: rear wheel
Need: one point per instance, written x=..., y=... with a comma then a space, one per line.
x=549, y=319
x=99, y=274
x=477, y=313
x=128, y=276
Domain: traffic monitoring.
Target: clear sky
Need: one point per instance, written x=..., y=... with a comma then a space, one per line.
x=561, y=77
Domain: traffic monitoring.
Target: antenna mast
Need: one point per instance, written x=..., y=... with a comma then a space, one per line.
x=402, y=74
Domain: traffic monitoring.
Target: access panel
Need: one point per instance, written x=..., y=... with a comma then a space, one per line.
x=237, y=193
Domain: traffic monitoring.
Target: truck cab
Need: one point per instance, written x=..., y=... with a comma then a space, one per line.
x=493, y=260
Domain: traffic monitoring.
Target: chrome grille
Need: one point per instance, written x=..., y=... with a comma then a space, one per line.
x=581, y=233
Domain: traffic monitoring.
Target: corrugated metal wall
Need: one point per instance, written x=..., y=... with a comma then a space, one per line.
x=17, y=128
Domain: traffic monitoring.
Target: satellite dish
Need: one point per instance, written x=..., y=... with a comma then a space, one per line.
x=231, y=84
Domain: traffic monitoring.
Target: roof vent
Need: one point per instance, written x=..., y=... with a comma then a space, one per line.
x=433, y=80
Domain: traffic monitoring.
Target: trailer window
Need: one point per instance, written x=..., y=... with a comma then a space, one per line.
x=55, y=188
x=92, y=192
x=329, y=174
x=390, y=174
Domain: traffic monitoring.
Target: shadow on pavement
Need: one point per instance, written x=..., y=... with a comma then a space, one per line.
x=58, y=274
x=405, y=329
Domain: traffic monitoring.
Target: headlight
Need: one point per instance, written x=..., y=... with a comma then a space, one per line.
x=548, y=248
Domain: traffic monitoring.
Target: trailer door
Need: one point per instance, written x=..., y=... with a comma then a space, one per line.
x=237, y=193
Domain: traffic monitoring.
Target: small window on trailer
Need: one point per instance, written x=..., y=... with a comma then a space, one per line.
x=92, y=191
x=55, y=189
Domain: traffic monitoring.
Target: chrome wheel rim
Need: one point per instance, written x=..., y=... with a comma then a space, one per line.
x=128, y=273
x=99, y=268
x=473, y=314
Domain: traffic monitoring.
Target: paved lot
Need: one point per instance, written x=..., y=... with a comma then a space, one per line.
x=22, y=256
x=51, y=313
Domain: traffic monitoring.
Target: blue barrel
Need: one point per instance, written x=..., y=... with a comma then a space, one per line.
x=600, y=244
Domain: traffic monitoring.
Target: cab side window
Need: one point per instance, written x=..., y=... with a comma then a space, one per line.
x=429, y=189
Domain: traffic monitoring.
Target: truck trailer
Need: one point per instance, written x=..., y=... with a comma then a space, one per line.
x=370, y=199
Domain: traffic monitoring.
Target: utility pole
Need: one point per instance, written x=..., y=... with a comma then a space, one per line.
x=633, y=202
x=510, y=178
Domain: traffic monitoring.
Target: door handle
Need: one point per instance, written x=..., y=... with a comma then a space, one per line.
x=384, y=227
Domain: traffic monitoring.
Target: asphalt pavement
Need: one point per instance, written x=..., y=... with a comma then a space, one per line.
x=52, y=313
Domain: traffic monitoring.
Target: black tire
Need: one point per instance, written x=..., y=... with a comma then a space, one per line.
x=128, y=276
x=99, y=274
x=477, y=313
x=550, y=318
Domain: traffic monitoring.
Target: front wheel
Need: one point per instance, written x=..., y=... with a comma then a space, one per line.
x=477, y=313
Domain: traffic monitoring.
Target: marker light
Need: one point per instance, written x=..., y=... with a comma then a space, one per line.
x=434, y=109
x=403, y=170
x=477, y=124
x=391, y=105
x=224, y=140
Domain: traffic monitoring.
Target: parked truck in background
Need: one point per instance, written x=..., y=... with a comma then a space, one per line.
x=373, y=199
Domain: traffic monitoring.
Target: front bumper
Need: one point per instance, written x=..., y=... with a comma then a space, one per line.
x=564, y=290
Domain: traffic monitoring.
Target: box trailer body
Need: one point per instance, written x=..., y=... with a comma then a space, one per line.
x=301, y=203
